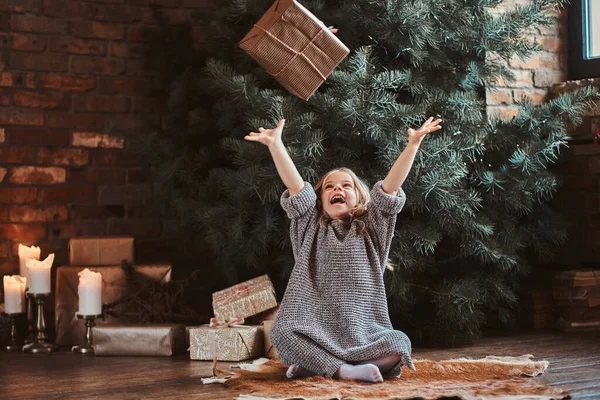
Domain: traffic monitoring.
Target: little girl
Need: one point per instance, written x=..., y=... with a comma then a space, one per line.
x=333, y=319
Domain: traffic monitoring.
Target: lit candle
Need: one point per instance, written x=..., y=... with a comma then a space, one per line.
x=90, y=293
x=25, y=253
x=39, y=274
x=14, y=294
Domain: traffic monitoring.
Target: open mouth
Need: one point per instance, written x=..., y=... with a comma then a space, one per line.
x=338, y=199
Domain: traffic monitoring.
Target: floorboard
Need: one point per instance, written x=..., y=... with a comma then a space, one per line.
x=574, y=366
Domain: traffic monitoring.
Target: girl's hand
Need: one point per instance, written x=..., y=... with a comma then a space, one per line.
x=268, y=137
x=428, y=126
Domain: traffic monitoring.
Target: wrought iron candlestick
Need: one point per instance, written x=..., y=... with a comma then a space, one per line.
x=30, y=338
x=90, y=322
x=40, y=345
x=13, y=346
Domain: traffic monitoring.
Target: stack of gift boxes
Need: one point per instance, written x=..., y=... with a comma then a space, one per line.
x=116, y=333
x=577, y=296
x=226, y=338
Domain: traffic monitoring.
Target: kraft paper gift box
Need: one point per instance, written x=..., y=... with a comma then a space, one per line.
x=244, y=299
x=295, y=47
x=270, y=351
x=139, y=340
x=233, y=343
x=69, y=329
x=100, y=250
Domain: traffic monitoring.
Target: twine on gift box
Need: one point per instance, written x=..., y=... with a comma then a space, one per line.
x=296, y=53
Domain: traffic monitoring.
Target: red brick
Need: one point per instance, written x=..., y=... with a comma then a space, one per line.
x=4, y=250
x=38, y=214
x=135, y=228
x=95, y=140
x=5, y=6
x=148, y=105
x=174, y=16
x=117, y=13
x=77, y=228
x=126, y=50
x=137, y=175
x=197, y=4
x=21, y=6
x=21, y=41
x=97, y=176
x=3, y=213
x=4, y=97
x=69, y=157
x=498, y=96
x=98, y=65
x=552, y=44
x=62, y=119
x=2, y=135
x=33, y=232
x=39, y=62
x=4, y=40
x=138, y=68
x=38, y=175
x=31, y=23
x=67, y=44
x=162, y=3
x=18, y=195
x=68, y=9
x=87, y=211
x=523, y=79
x=10, y=79
x=131, y=123
x=17, y=155
x=9, y=267
x=72, y=83
x=545, y=78
x=4, y=21
x=39, y=137
x=21, y=116
x=61, y=194
x=142, y=33
x=117, y=104
x=98, y=30
x=41, y=99
x=115, y=158
x=109, y=1
x=124, y=194
x=126, y=86
x=2, y=174
x=538, y=96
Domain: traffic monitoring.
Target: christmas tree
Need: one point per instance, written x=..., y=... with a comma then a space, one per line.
x=476, y=215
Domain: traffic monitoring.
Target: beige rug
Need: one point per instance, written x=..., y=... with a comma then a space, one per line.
x=488, y=378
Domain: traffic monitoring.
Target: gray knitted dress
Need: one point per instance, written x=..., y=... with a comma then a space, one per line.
x=334, y=310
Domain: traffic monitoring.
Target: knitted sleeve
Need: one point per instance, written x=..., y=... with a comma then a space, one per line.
x=302, y=212
x=381, y=213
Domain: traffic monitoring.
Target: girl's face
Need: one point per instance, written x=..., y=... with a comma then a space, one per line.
x=338, y=194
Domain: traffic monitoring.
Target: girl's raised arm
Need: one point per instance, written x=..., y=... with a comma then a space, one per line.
x=283, y=162
x=403, y=164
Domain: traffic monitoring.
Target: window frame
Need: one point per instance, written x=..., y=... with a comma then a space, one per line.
x=579, y=68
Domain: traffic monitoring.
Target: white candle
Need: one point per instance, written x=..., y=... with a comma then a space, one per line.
x=25, y=253
x=39, y=274
x=90, y=292
x=14, y=294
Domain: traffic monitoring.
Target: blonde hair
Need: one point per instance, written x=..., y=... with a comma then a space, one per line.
x=358, y=212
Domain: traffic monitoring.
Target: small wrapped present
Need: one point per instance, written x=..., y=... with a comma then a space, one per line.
x=294, y=47
x=270, y=351
x=70, y=330
x=244, y=299
x=228, y=343
x=100, y=250
x=139, y=340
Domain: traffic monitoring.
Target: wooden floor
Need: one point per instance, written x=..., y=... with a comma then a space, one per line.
x=574, y=366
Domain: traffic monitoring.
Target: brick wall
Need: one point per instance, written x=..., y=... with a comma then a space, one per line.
x=535, y=76
x=70, y=74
